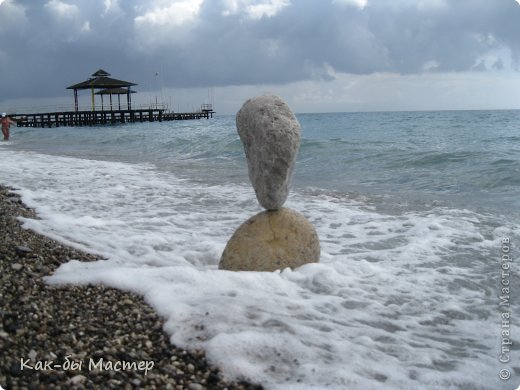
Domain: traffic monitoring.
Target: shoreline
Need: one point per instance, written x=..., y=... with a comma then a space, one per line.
x=90, y=336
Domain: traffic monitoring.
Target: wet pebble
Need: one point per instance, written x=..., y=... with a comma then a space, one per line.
x=16, y=266
x=22, y=250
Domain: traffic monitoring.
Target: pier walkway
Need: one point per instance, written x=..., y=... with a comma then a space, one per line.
x=106, y=117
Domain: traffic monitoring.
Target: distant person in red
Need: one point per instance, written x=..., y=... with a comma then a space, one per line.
x=6, y=123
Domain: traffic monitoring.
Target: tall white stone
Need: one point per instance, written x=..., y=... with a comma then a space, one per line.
x=271, y=136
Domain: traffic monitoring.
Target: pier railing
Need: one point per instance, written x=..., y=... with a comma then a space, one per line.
x=105, y=117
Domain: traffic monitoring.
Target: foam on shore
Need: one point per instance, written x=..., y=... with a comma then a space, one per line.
x=400, y=301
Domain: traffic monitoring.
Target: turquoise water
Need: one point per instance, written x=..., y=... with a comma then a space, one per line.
x=469, y=158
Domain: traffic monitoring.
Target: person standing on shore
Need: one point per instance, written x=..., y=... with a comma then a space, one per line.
x=6, y=123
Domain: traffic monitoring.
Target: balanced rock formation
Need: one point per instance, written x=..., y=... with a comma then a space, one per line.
x=279, y=237
x=272, y=240
x=271, y=136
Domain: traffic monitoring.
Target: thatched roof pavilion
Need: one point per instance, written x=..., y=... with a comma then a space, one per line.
x=101, y=81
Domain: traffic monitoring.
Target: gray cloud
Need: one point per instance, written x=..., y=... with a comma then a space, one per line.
x=48, y=45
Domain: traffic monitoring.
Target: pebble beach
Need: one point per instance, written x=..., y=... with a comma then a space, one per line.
x=83, y=337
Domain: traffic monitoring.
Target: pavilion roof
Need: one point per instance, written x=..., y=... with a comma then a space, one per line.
x=100, y=72
x=101, y=80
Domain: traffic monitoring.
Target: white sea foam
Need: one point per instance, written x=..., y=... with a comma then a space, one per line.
x=398, y=301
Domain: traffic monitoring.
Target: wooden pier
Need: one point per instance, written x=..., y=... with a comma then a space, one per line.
x=107, y=117
x=107, y=114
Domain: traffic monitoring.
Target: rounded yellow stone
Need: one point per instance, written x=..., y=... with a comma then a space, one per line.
x=272, y=240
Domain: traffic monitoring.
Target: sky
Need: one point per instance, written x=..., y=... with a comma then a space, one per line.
x=318, y=55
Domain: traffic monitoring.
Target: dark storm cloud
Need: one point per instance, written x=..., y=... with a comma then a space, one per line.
x=48, y=45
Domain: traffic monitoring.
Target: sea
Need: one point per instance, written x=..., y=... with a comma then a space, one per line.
x=418, y=215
